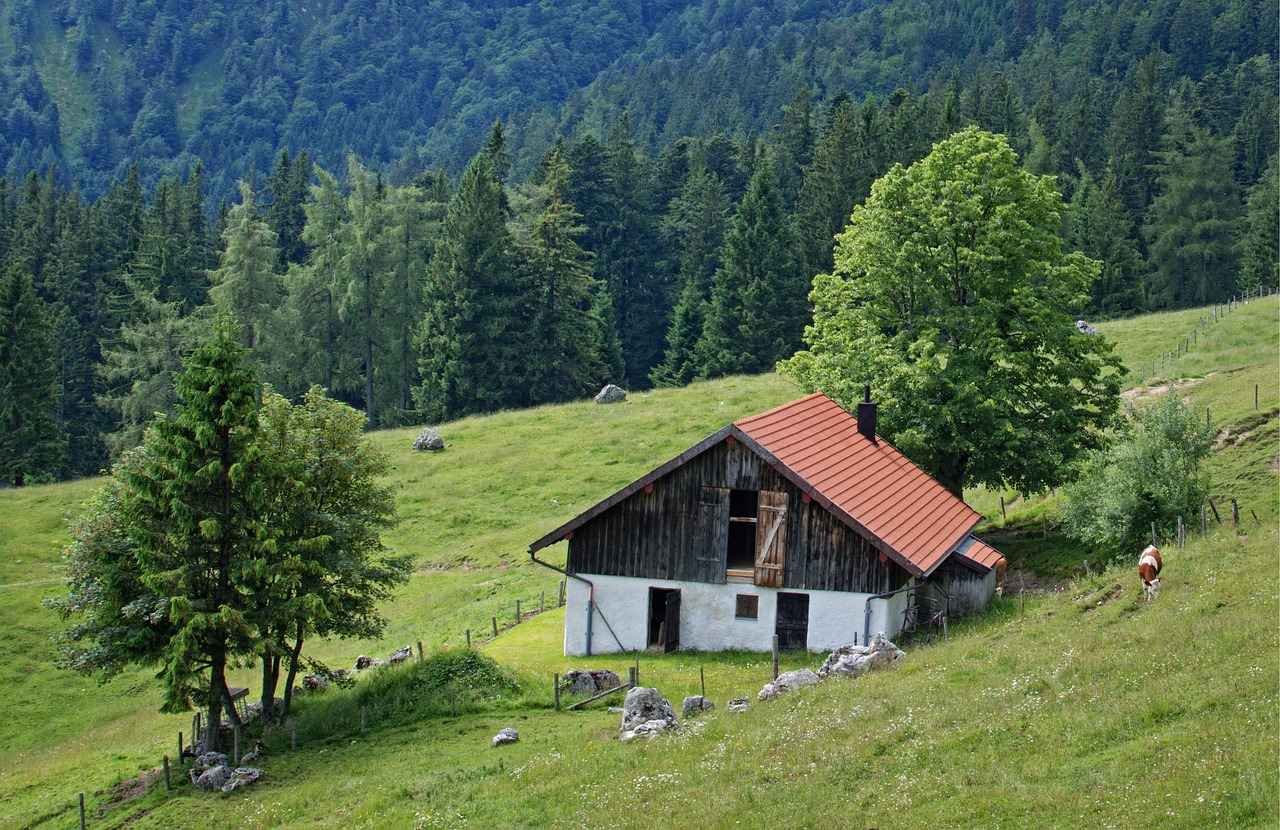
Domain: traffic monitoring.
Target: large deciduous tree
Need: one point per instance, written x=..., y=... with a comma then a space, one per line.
x=952, y=296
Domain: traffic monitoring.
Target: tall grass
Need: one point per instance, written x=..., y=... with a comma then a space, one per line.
x=1086, y=709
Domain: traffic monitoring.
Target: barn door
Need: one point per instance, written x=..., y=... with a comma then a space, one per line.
x=711, y=536
x=673, y=622
x=792, y=626
x=771, y=538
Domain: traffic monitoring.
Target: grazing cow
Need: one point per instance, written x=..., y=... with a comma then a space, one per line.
x=1002, y=567
x=1149, y=572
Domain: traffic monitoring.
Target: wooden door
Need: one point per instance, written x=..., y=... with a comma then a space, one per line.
x=673, y=622
x=792, y=626
x=771, y=538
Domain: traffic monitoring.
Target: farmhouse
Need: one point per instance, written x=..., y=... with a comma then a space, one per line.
x=799, y=522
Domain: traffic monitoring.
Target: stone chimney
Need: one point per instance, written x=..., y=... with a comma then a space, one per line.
x=867, y=415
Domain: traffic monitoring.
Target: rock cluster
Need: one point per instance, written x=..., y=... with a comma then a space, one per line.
x=211, y=773
x=611, y=394
x=646, y=713
x=854, y=661
x=506, y=736
x=739, y=704
x=1084, y=328
x=401, y=655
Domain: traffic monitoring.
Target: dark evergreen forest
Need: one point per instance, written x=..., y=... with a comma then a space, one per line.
x=437, y=209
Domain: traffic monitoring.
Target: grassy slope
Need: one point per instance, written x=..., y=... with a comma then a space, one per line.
x=1083, y=710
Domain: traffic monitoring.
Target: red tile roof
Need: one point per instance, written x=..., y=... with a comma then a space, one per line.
x=910, y=516
x=979, y=552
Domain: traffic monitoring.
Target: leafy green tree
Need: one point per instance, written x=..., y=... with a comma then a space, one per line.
x=328, y=570
x=31, y=438
x=758, y=309
x=951, y=296
x=1151, y=474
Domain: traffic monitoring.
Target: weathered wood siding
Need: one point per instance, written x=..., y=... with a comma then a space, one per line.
x=680, y=531
x=959, y=590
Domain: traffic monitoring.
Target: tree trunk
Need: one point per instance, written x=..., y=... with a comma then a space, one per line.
x=368, y=349
x=293, y=673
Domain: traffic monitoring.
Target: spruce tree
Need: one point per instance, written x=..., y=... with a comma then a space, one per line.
x=759, y=297
x=31, y=438
x=1260, y=259
x=245, y=286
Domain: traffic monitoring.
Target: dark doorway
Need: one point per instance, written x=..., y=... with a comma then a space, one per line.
x=792, y=627
x=664, y=618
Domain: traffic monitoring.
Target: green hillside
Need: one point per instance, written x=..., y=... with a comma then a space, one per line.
x=1085, y=707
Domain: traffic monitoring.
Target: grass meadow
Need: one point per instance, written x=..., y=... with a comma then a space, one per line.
x=1083, y=708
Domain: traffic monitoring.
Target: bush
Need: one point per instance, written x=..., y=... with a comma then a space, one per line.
x=1151, y=473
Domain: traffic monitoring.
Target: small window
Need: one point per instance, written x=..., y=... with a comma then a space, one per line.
x=748, y=607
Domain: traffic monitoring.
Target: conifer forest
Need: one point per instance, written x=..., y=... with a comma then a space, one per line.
x=445, y=208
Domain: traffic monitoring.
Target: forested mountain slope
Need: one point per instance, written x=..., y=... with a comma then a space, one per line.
x=97, y=84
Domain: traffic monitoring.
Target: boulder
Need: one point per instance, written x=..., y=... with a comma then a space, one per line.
x=1084, y=328
x=365, y=662
x=697, y=704
x=428, y=439
x=739, y=704
x=589, y=683
x=401, y=655
x=646, y=712
x=213, y=779
x=315, y=682
x=611, y=394
x=854, y=661
x=241, y=777
x=207, y=761
x=786, y=682
x=506, y=736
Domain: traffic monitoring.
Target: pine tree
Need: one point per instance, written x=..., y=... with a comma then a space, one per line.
x=1099, y=226
x=470, y=342
x=758, y=300
x=1193, y=223
x=245, y=286
x=695, y=228
x=286, y=197
x=360, y=273
x=565, y=343
x=31, y=438
x=1260, y=264
x=838, y=179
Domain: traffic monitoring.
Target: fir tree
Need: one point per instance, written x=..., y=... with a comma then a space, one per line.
x=31, y=438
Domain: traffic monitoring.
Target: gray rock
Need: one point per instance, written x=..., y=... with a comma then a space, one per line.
x=786, y=682
x=696, y=704
x=212, y=779
x=364, y=662
x=589, y=682
x=315, y=682
x=506, y=736
x=1084, y=328
x=401, y=655
x=855, y=661
x=611, y=394
x=241, y=777
x=648, y=709
x=739, y=704
x=207, y=761
x=428, y=439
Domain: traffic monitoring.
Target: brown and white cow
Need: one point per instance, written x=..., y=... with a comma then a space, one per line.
x=1149, y=572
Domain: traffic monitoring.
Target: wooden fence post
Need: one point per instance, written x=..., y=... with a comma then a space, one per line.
x=81, y=811
x=631, y=677
x=1003, y=515
x=179, y=748
x=1044, y=518
x=517, y=612
x=1235, y=513
x=556, y=685
x=542, y=602
x=420, y=656
x=775, y=656
x=1214, y=508
x=468, y=638
x=561, y=605
x=1256, y=520
x=495, y=628
x=1204, y=522
x=167, y=785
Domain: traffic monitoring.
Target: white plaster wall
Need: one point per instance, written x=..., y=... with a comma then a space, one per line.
x=707, y=619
